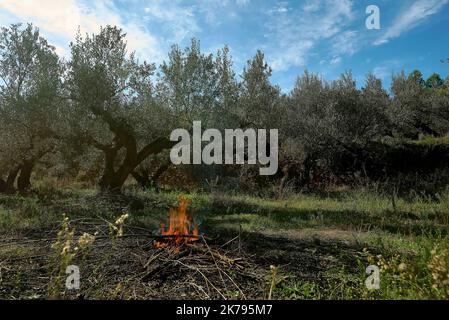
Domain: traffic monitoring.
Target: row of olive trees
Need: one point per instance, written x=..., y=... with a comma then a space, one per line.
x=30, y=78
x=105, y=108
x=103, y=103
x=326, y=120
x=101, y=99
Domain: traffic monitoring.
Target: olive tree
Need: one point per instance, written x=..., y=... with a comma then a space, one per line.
x=194, y=86
x=419, y=107
x=199, y=86
x=328, y=120
x=259, y=99
x=30, y=109
x=114, y=108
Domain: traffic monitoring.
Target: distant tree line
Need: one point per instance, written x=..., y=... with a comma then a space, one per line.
x=107, y=115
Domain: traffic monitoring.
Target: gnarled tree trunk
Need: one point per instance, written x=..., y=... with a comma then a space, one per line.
x=8, y=185
x=24, y=180
x=12, y=176
x=147, y=179
x=113, y=180
x=124, y=138
x=3, y=186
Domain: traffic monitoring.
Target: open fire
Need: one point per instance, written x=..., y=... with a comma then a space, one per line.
x=182, y=228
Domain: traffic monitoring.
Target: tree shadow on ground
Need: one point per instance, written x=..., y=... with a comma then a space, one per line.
x=402, y=223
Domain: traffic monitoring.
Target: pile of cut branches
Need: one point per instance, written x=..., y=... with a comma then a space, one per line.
x=210, y=271
x=130, y=267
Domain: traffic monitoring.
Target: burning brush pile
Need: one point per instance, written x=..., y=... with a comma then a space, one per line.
x=182, y=230
x=195, y=264
x=118, y=262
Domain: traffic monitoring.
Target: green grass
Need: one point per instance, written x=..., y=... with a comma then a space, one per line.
x=433, y=141
x=361, y=218
x=361, y=214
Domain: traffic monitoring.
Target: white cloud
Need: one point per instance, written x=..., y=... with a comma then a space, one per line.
x=294, y=55
x=312, y=5
x=386, y=69
x=291, y=40
x=61, y=19
x=281, y=7
x=346, y=43
x=242, y=3
x=335, y=60
x=382, y=72
x=215, y=12
x=411, y=17
x=179, y=20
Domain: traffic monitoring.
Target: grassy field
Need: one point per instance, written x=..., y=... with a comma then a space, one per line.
x=300, y=247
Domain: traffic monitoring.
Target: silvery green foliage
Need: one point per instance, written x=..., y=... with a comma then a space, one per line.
x=106, y=85
x=327, y=117
x=259, y=100
x=105, y=112
x=114, y=105
x=446, y=83
x=198, y=86
x=30, y=73
x=419, y=107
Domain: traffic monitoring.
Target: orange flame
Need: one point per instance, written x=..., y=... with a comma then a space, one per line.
x=181, y=230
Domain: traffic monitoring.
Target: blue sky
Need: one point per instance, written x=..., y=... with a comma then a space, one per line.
x=324, y=36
